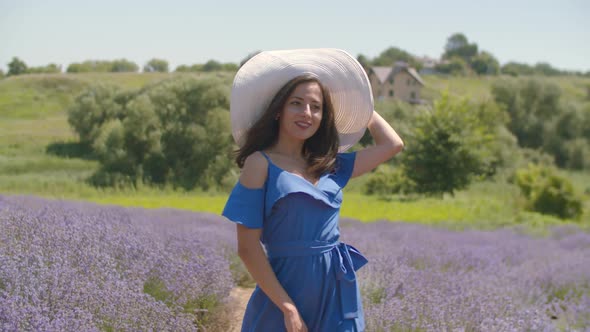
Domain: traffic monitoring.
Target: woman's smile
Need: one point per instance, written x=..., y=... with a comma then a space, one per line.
x=302, y=113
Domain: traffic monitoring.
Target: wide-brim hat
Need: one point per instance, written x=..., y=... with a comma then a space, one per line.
x=260, y=78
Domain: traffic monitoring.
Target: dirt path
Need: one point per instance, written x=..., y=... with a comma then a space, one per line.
x=240, y=297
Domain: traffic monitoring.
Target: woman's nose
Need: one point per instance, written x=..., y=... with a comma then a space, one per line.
x=307, y=109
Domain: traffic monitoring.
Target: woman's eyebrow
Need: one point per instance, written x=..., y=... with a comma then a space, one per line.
x=313, y=100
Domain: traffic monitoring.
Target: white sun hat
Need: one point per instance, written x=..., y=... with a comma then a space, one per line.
x=261, y=77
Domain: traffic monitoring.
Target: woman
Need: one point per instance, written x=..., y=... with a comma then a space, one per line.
x=289, y=193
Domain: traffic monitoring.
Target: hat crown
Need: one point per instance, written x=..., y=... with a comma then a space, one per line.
x=260, y=78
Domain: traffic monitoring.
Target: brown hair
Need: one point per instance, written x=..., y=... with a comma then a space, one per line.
x=319, y=150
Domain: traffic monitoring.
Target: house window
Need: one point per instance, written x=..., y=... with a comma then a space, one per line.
x=391, y=80
x=391, y=93
x=413, y=95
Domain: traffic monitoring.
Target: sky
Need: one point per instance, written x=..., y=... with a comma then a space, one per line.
x=188, y=32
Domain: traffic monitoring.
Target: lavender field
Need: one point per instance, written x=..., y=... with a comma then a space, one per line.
x=72, y=266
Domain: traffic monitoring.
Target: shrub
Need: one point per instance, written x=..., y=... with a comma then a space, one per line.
x=176, y=131
x=451, y=145
x=548, y=193
x=91, y=109
x=387, y=180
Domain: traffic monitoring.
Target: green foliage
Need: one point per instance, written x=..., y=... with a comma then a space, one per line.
x=212, y=65
x=116, y=66
x=540, y=120
x=577, y=154
x=187, y=69
x=485, y=63
x=516, y=69
x=546, y=69
x=16, y=67
x=91, y=109
x=176, y=131
x=531, y=105
x=394, y=54
x=123, y=65
x=548, y=193
x=458, y=46
x=1, y=74
x=541, y=68
x=230, y=66
x=51, y=68
x=451, y=145
x=156, y=65
x=386, y=180
x=453, y=66
x=396, y=112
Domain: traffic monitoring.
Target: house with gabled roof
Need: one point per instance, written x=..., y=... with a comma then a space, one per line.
x=399, y=81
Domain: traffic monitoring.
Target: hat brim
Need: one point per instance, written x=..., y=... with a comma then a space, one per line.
x=261, y=77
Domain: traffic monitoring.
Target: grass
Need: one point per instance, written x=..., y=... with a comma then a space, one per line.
x=33, y=119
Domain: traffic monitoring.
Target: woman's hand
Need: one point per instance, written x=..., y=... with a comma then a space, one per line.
x=387, y=144
x=293, y=321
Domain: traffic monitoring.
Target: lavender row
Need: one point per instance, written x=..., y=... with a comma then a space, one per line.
x=72, y=266
x=427, y=279
x=68, y=266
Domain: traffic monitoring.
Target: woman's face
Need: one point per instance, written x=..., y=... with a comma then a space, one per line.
x=302, y=113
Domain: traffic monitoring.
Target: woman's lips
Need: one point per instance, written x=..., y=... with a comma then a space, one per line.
x=303, y=124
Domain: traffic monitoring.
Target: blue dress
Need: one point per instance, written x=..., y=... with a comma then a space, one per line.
x=300, y=234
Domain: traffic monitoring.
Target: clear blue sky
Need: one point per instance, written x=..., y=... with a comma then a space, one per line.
x=187, y=32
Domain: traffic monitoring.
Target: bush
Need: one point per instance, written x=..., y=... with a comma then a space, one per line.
x=97, y=105
x=156, y=65
x=451, y=145
x=548, y=193
x=386, y=180
x=176, y=131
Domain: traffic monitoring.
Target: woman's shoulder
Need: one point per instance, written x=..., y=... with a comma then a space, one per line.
x=254, y=172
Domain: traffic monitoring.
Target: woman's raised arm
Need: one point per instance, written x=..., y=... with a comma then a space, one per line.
x=387, y=144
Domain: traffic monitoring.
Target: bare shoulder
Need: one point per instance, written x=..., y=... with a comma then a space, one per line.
x=254, y=171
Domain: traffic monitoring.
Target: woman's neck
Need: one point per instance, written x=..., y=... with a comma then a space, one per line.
x=288, y=147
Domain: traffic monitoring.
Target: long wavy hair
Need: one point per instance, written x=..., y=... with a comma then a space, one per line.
x=319, y=150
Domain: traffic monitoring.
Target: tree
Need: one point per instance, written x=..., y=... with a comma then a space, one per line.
x=93, y=108
x=450, y=146
x=229, y=66
x=394, y=54
x=456, y=41
x=176, y=131
x=1, y=74
x=16, y=67
x=124, y=65
x=212, y=65
x=485, y=64
x=453, y=66
x=51, y=68
x=457, y=45
x=516, y=68
x=182, y=69
x=546, y=69
x=531, y=105
x=156, y=65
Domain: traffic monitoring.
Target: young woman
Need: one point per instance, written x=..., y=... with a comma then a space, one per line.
x=287, y=201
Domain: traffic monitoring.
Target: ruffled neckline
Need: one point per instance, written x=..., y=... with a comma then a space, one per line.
x=281, y=170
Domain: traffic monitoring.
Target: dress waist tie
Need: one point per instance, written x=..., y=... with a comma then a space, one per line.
x=346, y=259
